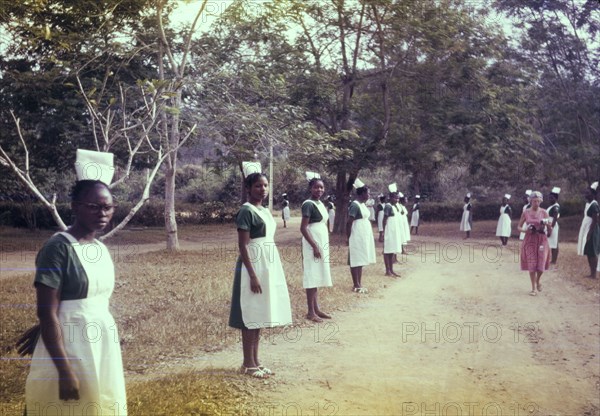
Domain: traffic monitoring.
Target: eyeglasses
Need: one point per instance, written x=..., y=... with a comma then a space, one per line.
x=96, y=208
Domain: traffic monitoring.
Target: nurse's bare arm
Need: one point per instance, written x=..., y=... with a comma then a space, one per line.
x=308, y=237
x=349, y=229
x=48, y=300
x=243, y=241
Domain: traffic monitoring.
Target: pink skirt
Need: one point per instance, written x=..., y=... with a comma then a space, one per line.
x=535, y=253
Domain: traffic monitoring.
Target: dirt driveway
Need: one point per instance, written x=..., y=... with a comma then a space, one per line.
x=458, y=334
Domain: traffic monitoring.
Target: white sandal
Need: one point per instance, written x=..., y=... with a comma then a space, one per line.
x=532, y=293
x=266, y=370
x=255, y=372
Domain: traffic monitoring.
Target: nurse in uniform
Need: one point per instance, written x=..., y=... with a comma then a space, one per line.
x=392, y=242
x=260, y=296
x=526, y=206
x=404, y=225
x=588, y=243
x=285, y=210
x=414, y=218
x=361, y=244
x=330, y=213
x=81, y=373
x=503, y=228
x=380, y=214
x=467, y=217
x=554, y=212
x=315, y=247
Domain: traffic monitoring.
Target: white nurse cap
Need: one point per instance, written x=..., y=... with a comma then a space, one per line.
x=312, y=175
x=358, y=183
x=250, y=167
x=555, y=190
x=507, y=196
x=393, y=187
x=95, y=166
x=594, y=186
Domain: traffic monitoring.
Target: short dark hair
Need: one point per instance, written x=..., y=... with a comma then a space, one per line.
x=253, y=178
x=362, y=190
x=83, y=187
x=313, y=181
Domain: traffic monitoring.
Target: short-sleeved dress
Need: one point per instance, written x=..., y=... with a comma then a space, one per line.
x=271, y=307
x=589, y=247
x=370, y=205
x=553, y=239
x=535, y=251
x=522, y=232
x=404, y=226
x=285, y=212
x=414, y=218
x=503, y=229
x=85, y=276
x=361, y=245
x=316, y=272
x=465, y=222
x=392, y=242
x=331, y=214
x=380, y=215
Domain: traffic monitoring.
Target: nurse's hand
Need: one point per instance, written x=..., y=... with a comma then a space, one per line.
x=255, y=285
x=68, y=386
x=316, y=252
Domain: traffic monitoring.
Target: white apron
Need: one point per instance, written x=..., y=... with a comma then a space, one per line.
x=503, y=228
x=380, y=216
x=271, y=307
x=392, y=237
x=331, y=214
x=524, y=228
x=91, y=341
x=361, y=245
x=586, y=224
x=414, y=218
x=404, y=227
x=316, y=271
x=553, y=239
x=465, y=225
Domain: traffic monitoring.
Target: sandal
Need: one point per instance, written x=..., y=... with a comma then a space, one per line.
x=266, y=370
x=255, y=372
x=532, y=293
x=362, y=290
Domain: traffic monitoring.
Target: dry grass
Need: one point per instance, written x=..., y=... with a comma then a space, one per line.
x=171, y=307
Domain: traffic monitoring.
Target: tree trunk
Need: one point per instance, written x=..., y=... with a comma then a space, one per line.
x=170, y=218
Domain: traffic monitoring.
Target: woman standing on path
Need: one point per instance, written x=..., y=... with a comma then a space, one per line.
x=315, y=247
x=260, y=296
x=535, y=251
x=392, y=242
x=467, y=217
x=404, y=226
x=361, y=244
x=503, y=229
x=526, y=206
x=588, y=243
x=554, y=212
x=380, y=214
x=74, y=280
x=414, y=218
x=330, y=213
x=285, y=210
